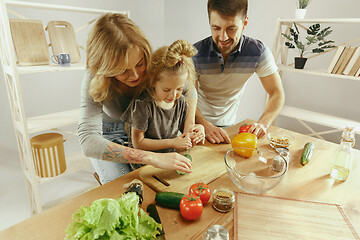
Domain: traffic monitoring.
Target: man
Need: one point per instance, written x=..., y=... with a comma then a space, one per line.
x=224, y=63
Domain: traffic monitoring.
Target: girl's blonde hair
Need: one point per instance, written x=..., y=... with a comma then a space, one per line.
x=108, y=45
x=175, y=58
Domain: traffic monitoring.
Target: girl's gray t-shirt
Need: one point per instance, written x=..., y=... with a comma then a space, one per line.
x=156, y=122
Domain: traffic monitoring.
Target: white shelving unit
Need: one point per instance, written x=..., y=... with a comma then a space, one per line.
x=280, y=52
x=24, y=126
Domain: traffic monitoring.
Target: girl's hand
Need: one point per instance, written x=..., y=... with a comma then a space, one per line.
x=171, y=161
x=197, y=134
x=182, y=142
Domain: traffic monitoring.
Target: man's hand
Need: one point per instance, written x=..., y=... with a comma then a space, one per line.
x=258, y=129
x=216, y=134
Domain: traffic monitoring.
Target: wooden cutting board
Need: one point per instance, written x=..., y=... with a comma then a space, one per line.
x=262, y=217
x=207, y=165
x=63, y=39
x=29, y=42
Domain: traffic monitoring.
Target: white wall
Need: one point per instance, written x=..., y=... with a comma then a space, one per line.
x=166, y=21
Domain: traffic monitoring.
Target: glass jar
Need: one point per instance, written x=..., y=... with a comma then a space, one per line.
x=223, y=199
x=216, y=232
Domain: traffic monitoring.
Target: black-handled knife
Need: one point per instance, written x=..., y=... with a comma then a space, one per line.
x=151, y=209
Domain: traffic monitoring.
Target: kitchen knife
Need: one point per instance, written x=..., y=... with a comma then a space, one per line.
x=151, y=209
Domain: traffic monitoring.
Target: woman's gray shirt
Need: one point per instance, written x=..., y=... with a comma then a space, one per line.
x=92, y=115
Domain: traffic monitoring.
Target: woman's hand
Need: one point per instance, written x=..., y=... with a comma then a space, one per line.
x=182, y=142
x=171, y=161
x=197, y=134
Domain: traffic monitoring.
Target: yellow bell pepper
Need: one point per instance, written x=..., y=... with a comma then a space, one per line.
x=245, y=140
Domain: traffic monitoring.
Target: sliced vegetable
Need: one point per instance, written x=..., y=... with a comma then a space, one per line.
x=244, y=128
x=201, y=190
x=307, y=153
x=169, y=199
x=191, y=207
x=181, y=172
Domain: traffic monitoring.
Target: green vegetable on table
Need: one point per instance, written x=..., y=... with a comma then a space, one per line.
x=112, y=219
x=307, y=153
x=169, y=199
x=181, y=172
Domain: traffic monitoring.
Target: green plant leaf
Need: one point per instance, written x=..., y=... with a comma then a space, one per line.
x=317, y=50
x=324, y=33
x=300, y=46
x=288, y=37
x=289, y=45
x=311, y=39
x=325, y=42
x=313, y=29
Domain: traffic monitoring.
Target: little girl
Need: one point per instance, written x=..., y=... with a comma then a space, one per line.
x=158, y=114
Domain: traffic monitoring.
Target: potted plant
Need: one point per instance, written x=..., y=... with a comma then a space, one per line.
x=315, y=42
x=300, y=12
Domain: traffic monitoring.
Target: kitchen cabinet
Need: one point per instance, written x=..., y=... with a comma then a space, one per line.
x=281, y=54
x=26, y=127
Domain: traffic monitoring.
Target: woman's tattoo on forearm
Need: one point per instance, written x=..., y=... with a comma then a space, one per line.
x=116, y=153
x=133, y=155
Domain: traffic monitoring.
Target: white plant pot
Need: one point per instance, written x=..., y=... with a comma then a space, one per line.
x=300, y=13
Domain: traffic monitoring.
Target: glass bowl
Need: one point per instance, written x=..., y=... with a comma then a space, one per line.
x=258, y=173
x=277, y=140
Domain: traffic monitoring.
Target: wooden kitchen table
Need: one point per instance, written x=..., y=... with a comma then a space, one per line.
x=310, y=182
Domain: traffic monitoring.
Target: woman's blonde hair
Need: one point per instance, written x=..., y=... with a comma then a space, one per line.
x=108, y=45
x=173, y=58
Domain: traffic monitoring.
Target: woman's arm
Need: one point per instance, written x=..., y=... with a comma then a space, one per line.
x=140, y=142
x=173, y=161
x=90, y=123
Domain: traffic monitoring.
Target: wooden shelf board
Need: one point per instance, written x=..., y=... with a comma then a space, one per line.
x=50, y=68
x=74, y=163
x=319, y=118
x=51, y=121
x=59, y=7
x=322, y=20
x=318, y=72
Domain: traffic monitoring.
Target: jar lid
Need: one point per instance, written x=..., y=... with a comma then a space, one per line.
x=225, y=192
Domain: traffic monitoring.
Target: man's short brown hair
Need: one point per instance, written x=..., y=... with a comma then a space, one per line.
x=228, y=8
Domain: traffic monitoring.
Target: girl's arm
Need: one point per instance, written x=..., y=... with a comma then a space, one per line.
x=117, y=153
x=140, y=142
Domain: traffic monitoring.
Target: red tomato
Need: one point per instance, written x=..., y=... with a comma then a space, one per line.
x=190, y=207
x=201, y=190
x=244, y=128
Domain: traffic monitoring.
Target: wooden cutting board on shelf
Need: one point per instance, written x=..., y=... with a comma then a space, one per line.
x=29, y=42
x=207, y=165
x=63, y=39
x=264, y=217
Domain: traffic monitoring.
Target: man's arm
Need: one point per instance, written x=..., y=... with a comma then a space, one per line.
x=273, y=86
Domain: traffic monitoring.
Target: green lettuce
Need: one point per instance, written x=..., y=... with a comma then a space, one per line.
x=113, y=219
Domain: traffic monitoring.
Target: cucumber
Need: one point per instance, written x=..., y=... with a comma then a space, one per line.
x=307, y=153
x=169, y=199
x=181, y=172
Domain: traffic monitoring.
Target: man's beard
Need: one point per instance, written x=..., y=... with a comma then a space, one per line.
x=225, y=49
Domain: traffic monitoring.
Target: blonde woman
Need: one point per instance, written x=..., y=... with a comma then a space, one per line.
x=118, y=55
x=158, y=114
